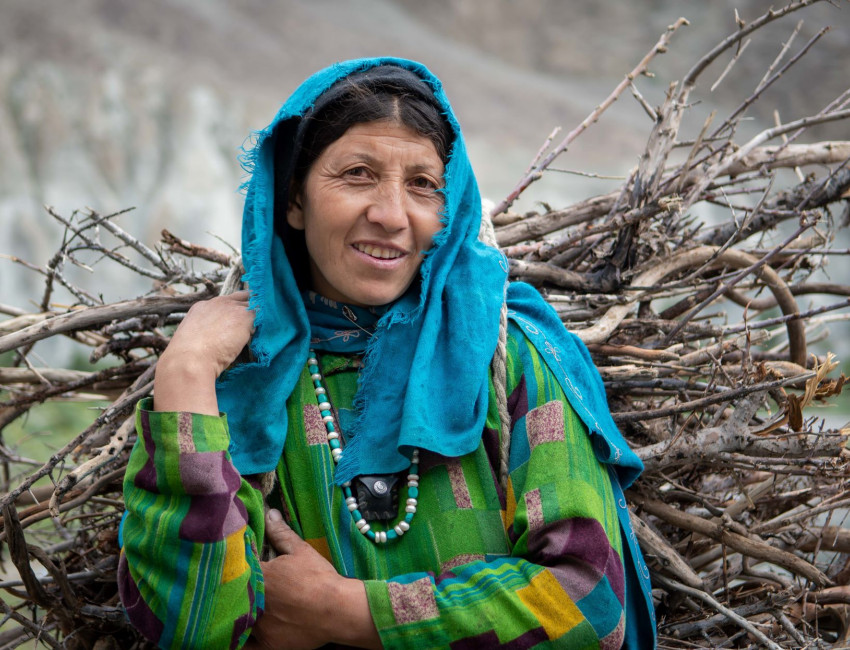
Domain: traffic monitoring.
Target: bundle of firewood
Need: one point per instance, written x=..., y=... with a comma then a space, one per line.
x=703, y=333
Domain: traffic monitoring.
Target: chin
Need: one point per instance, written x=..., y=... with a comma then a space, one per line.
x=376, y=296
x=376, y=300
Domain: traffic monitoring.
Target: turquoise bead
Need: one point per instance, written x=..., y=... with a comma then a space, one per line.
x=391, y=534
x=330, y=426
x=370, y=534
x=334, y=443
x=356, y=516
x=414, y=469
x=325, y=413
x=413, y=492
x=313, y=370
x=346, y=491
x=409, y=517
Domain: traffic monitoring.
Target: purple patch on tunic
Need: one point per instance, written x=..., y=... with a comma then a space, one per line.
x=317, y=433
x=214, y=511
x=145, y=478
x=545, y=423
x=460, y=489
x=491, y=448
x=534, y=510
x=578, y=553
x=455, y=562
x=486, y=640
x=137, y=609
x=527, y=640
x=490, y=440
x=244, y=622
x=489, y=639
x=413, y=601
x=185, y=437
x=518, y=402
x=614, y=639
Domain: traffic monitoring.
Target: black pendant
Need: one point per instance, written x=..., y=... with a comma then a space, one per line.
x=377, y=496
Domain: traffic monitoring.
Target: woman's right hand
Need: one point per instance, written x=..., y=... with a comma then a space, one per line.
x=209, y=339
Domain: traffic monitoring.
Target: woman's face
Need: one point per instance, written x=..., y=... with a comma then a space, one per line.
x=369, y=208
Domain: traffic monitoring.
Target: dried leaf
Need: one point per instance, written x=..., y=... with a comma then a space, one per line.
x=794, y=408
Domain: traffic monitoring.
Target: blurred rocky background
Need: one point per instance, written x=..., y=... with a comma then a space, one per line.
x=117, y=103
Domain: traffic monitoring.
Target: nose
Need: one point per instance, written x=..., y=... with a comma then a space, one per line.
x=387, y=207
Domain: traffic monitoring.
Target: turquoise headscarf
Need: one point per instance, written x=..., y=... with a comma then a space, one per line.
x=424, y=383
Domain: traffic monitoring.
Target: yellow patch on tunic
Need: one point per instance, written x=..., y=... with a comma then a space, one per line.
x=234, y=556
x=548, y=601
x=321, y=546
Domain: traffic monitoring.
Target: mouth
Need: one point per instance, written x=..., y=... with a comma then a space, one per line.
x=379, y=252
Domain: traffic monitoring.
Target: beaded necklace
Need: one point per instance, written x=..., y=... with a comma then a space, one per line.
x=335, y=443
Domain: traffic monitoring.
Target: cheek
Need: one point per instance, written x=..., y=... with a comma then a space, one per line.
x=429, y=227
x=322, y=246
x=425, y=219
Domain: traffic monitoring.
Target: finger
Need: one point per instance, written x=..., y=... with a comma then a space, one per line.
x=242, y=294
x=281, y=536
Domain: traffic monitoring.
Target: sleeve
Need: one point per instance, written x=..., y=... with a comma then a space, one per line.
x=562, y=585
x=189, y=573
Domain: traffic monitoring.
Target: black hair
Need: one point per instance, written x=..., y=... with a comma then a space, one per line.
x=383, y=93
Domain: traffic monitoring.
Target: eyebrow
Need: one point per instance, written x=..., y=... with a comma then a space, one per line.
x=372, y=160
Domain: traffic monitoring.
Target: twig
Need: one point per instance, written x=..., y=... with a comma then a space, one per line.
x=97, y=316
x=659, y=48
x=729, y=66
x=747, y=545
x=710, y=601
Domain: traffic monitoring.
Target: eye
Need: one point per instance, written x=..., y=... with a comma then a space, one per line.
x=357, y=172
x=424, y=183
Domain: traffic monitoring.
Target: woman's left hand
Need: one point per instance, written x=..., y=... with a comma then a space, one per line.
x=307, y=603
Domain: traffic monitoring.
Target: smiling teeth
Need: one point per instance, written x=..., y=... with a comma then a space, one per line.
x=380, y=253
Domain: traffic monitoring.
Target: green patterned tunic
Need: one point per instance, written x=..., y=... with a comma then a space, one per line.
x=538, y=566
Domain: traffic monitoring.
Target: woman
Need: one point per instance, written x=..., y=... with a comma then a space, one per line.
x=401, y=516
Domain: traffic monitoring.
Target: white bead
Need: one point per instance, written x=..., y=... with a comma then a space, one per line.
x=350, y=500
x=413, y=484
x=398, y=530
x=313, y=361
x=410, y=509
x=415, y=456
x=346, y=484
x=336, y=453
x=328, y=418
x=365, y=529
x=413, y=477
x=320, y=391
x=412, y=502
x=324, y=406
x=316, y=376
x=332, y=435
x=352, y=507
x=404, y=525
x=381, y=537
x=361, y=524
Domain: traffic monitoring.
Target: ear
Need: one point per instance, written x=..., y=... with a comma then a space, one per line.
x=295, y=213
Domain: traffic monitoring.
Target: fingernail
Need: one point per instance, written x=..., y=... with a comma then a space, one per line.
x=274, y=515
